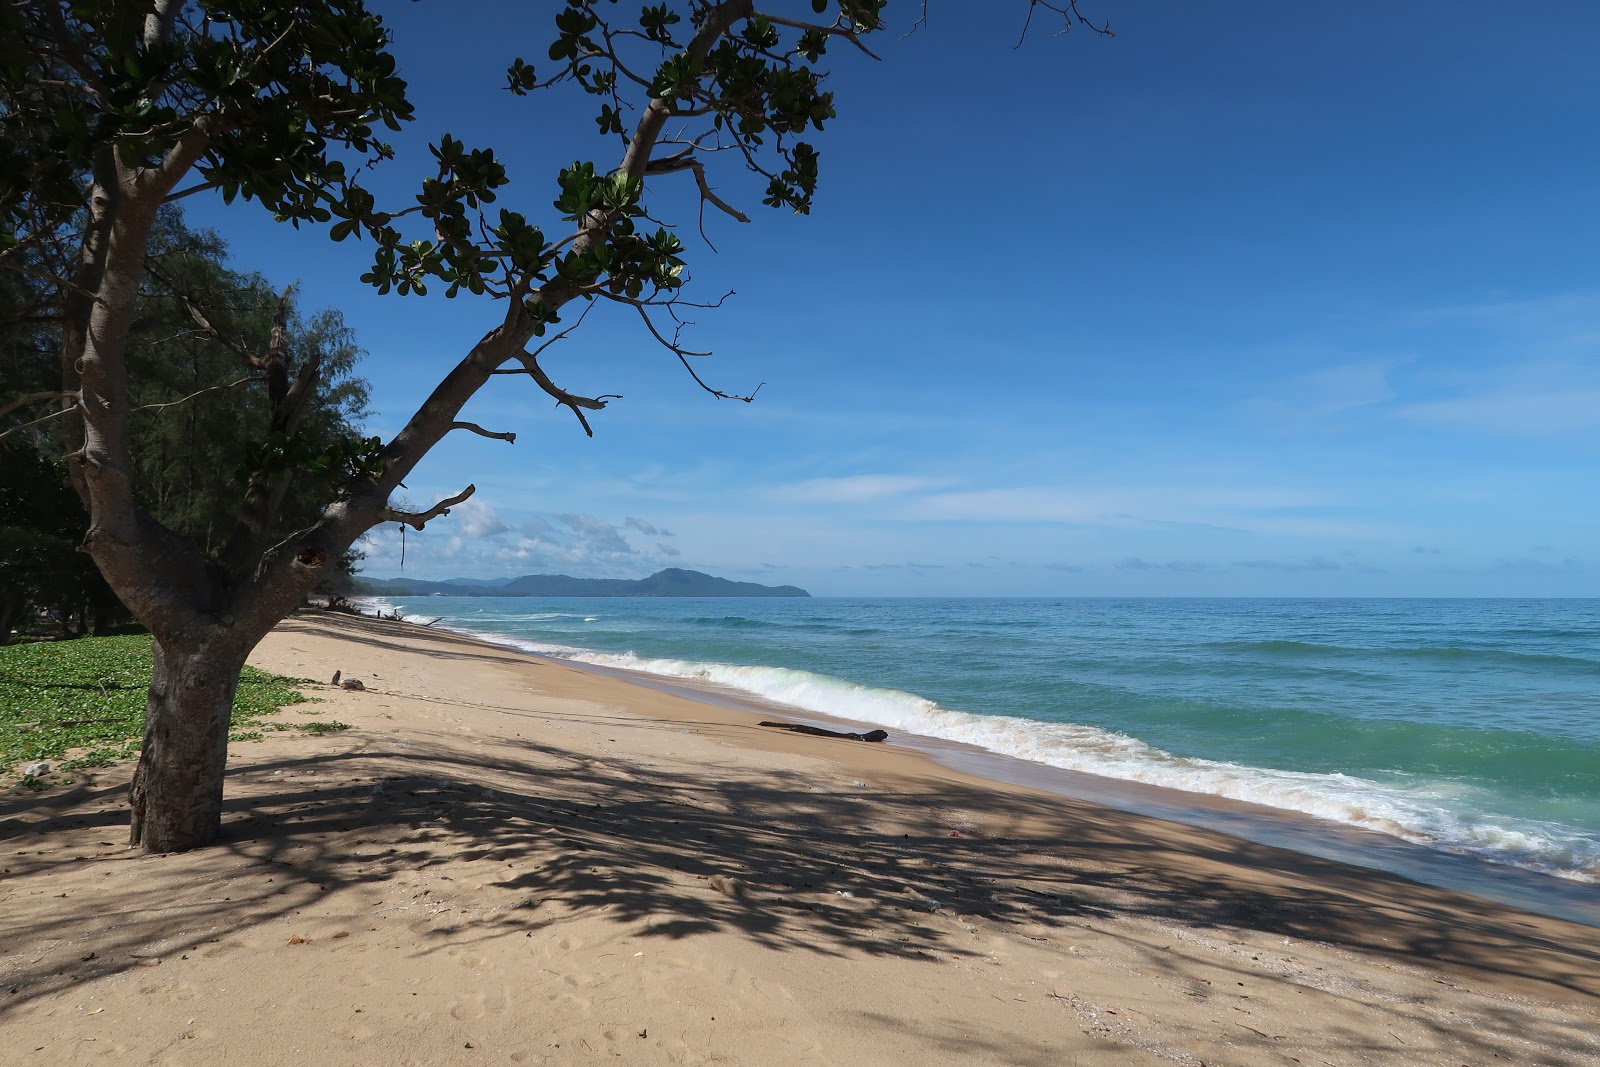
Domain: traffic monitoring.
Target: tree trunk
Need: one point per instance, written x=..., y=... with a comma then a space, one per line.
x=107, y=608
x=177, y=787
x=10, y=610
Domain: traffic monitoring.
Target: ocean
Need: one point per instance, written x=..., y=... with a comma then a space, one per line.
x=1469, y=729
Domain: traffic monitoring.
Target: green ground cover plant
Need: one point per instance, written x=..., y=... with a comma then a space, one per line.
x=87, y=698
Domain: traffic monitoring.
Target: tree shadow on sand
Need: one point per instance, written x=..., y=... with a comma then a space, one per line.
x=787, y=860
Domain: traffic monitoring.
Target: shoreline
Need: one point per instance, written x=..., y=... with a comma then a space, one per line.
x=508, y=859
x=1538, y=892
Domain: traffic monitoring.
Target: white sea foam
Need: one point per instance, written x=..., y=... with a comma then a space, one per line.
x=1438, y=816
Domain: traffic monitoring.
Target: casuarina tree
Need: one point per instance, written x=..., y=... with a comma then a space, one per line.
x=189, y=395
x=111, y=108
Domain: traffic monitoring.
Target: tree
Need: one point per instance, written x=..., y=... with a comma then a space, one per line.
x=188, y=398
x=41, y=519
x=109, y=106
x=194, y=377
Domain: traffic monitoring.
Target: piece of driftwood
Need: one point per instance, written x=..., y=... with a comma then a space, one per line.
x=870, y=735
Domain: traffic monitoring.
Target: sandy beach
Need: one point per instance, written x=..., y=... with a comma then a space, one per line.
x=510, y=860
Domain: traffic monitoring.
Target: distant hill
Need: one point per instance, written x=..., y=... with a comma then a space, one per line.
x=674, y=581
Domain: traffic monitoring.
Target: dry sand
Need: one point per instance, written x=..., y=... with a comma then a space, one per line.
x=509, y=860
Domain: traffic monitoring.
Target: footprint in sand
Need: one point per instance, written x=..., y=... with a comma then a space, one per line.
x=478, y=1005
x=227, y=948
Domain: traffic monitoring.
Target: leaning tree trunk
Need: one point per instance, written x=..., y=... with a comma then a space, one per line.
x=177, y=787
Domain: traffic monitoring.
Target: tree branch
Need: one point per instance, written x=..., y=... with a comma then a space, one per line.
x=200, y=188
x=56, y=414
x=832, y=31
x=530, y=367
x=34, y=398
x=508, y=438
x=200, y=319
x=200, y=392
x=1069, y=12
x=683, y=354
x=418, y=519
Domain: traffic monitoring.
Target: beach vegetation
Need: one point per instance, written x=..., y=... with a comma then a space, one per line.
x=82, y=703
x=112, y=109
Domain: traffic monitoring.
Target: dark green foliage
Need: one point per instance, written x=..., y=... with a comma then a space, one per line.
x=41, y=523
x=191, y=459
x=60, y=696
x=41, y=519
x=79, y=78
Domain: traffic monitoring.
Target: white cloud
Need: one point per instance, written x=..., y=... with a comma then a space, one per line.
x=646, y=528
x=474, y=519
x=484, y=545
x=595, y=536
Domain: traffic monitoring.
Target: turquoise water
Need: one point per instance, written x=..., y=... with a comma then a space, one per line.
x=1467, y=726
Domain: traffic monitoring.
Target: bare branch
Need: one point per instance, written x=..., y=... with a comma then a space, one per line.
x=832, y=31
x=200, y=188
x=418, y=519
x=508, y=438
x=56, y=414
x=200, y=392
x=573, y=401
x=921, y=19
x=684, y=160
x=672, y=344
x=682, y=353
x=707, y=194
x=34, y=398
x=200, y=319
x=1069, y=12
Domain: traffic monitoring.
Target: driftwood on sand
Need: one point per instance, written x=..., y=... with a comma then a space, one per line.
x=815, y=731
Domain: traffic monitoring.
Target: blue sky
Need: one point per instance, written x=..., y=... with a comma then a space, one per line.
x=1252, y=299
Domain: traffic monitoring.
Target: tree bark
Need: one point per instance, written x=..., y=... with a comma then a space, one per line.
x=177, y=787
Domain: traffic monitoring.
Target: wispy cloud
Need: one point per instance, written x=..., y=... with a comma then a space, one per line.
x=1245, y=509
x=1561, y=312
x=858, y=488
x=1548, y=399
x=1310, y=563
x=646, y=528
x=1329, y=391
x=1187, y=566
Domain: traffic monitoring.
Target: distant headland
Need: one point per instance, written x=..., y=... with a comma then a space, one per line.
x=674, y=581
